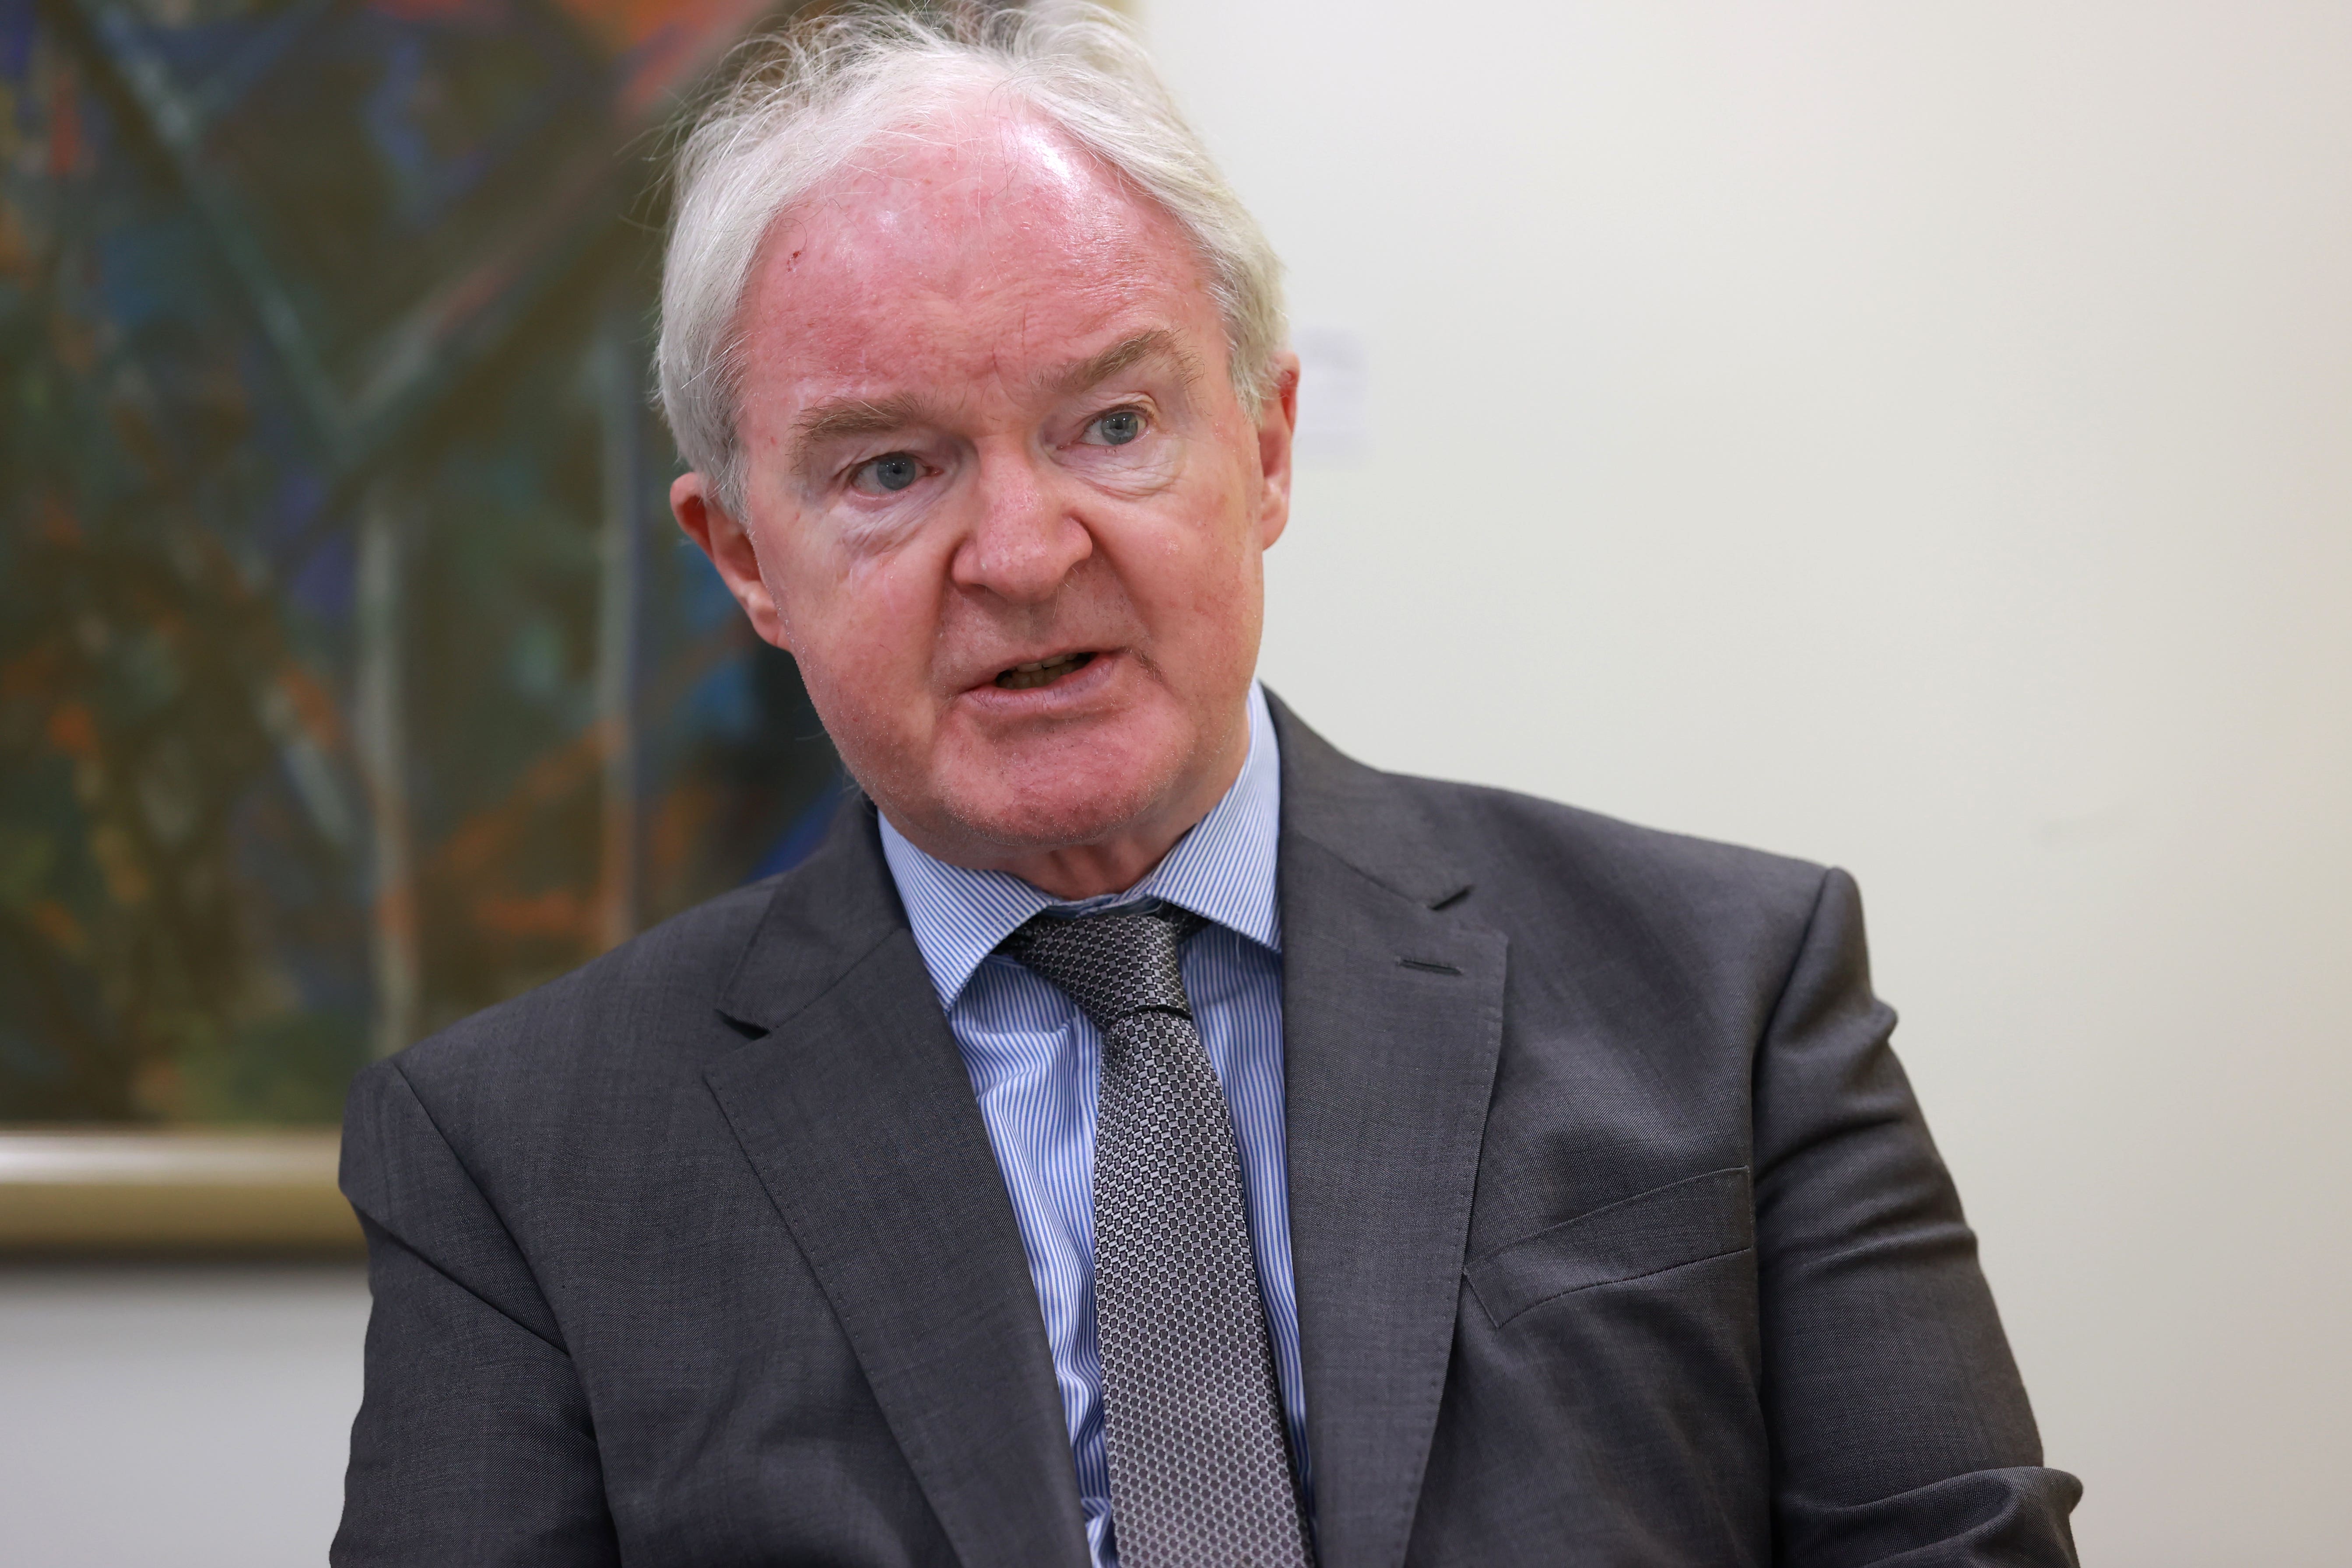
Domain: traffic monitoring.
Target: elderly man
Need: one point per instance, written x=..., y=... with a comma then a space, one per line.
x=1140, y=1134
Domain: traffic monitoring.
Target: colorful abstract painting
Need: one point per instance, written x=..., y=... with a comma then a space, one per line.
x=351, y=677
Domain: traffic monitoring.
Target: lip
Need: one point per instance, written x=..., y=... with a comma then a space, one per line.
x=1071, y=693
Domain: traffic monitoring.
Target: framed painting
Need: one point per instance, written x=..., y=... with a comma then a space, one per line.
x=351, y=678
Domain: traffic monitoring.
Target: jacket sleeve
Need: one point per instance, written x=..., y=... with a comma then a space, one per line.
x=472, y=1445
x=1900, y=1431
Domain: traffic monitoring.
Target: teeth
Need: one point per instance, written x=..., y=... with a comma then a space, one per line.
x=1040, y=672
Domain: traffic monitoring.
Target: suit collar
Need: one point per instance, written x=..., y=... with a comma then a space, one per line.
x=1359, y=815
x=826, y=914
x=1392, y=1010
x=852, y=1104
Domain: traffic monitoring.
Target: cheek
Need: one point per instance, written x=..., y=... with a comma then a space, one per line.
x=1221, y=558
x=863, y=656
x=867, y=627
x=1207, y=587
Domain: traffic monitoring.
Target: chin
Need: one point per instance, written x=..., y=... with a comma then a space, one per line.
x=1025, y=804
x=1057, y=816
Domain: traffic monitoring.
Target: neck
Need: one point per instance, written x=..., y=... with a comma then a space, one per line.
x=1090, y=870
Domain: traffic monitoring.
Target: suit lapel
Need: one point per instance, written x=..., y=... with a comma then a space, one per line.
x=855, y=1109
x=1392, y=1020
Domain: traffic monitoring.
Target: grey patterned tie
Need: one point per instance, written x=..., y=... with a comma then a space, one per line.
x=1192, y=1421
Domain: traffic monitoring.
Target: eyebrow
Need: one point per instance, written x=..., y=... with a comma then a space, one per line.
x=1125, y=354
x=847, y=417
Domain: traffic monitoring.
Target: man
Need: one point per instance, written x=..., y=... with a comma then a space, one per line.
x=1140, y=1134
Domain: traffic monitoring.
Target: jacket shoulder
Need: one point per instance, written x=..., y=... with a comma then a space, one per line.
x=1707, y=927
x=1505, y=830
x=1505, y=852
x=644, y=998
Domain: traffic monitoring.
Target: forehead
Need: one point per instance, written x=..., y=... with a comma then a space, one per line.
x=983, y=249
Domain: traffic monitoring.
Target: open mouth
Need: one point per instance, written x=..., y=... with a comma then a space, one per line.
x=1044, y=672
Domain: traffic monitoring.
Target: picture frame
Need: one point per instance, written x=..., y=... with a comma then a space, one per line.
x=108, y=1192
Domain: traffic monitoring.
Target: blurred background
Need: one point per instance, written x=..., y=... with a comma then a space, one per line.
x=1915, y=437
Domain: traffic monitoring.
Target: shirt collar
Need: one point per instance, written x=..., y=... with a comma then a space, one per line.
x=1223, y=870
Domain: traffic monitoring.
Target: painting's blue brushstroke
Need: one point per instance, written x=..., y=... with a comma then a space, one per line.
x=16, y=17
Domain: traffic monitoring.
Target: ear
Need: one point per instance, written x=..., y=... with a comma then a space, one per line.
x=1278, y=418
x=714, y=530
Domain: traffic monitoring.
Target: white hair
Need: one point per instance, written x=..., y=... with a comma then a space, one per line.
x=805, y=101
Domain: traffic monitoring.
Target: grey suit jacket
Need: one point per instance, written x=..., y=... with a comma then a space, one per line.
x=1618, y=1237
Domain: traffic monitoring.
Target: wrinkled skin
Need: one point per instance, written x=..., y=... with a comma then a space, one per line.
x=988, y=421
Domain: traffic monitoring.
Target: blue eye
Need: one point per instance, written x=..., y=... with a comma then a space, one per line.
x=894, y=471
x=1119, y=427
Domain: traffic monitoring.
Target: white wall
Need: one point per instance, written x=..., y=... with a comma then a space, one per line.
x=176, y=1417
x=1916, y=437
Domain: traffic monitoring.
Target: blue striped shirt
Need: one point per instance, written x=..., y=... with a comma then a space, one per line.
x=1035, y=1062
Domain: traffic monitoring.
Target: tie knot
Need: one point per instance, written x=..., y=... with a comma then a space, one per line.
x=1112, y=966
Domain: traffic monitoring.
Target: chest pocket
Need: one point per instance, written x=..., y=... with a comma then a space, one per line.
x=1687, y=1221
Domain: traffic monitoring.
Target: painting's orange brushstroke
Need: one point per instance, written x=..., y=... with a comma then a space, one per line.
x=72, y=731
x=558, y=913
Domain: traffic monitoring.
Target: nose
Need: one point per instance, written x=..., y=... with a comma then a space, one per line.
x=1025, y=541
